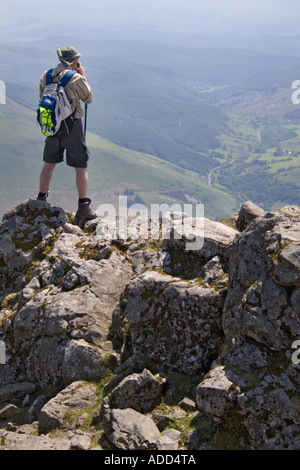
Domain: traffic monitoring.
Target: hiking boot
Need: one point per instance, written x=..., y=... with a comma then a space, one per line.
x=42, y=197
x=84, y=212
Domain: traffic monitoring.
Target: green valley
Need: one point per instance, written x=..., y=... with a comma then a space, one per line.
x=169, y=123
x=112, y=170
x=259, y=159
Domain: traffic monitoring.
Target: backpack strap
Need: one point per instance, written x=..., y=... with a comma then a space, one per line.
x=49, y=77
x=67, y=77
x=63, y=81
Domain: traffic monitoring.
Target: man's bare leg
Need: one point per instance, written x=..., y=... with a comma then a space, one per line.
x=84, y=211
x=46, y=176
x=82, y=182
x=45, y=179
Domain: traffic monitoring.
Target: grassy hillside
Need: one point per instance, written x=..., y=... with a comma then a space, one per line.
x=20, y=154
x=209, y=125
x=144, y=106
x=113, y=171
x=179, y=132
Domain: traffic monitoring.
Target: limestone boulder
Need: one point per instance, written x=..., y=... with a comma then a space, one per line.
x=128, y=429
x=140, y=392
x=57, y=305
x=216, y=393
x=77, y=396
x=174, y=323
x=248, y=213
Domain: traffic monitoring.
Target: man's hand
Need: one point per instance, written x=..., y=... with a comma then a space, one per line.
x=80, y=69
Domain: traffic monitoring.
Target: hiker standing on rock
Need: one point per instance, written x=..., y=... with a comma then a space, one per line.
x=70, y=138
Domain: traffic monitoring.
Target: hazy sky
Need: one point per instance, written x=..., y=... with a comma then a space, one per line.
x=213, y=16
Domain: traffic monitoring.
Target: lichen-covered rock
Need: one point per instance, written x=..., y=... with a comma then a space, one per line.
x=26, y=233
x=176, y=324
x=222, y=314
x=57, y=305
x=169, y=440
x=140, y=392
x=248, y=213
x=13, y=441
x=216, y=393
x=187, y=251
x=77, y=396
x=128, y=429
x=266, y=411
x=261, y=322
x=262, y=264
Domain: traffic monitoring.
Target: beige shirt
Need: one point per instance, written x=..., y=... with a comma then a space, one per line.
x=77, y=88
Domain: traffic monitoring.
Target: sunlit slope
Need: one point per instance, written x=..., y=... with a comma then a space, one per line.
x=112, y=170
x=259, y=159
x=20, y=154
x=154, y=180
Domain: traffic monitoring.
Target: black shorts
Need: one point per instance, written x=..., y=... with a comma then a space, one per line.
x=77, y=153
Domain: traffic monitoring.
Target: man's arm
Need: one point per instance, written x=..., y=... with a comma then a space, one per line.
x=84, y=90
x=42, y=84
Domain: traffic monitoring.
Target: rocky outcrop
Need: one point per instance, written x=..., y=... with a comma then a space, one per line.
x=147, y=344
x=56, y=301
x=261, y=322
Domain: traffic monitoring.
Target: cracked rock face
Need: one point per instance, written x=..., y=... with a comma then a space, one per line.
x=223, y=315
x=138, y=391
x=261, y=321
x=130, y=430
x=173, y=312
x=174, y=323
x=57, y=316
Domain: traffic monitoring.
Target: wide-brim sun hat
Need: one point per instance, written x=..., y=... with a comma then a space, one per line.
x=67, y=55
